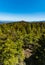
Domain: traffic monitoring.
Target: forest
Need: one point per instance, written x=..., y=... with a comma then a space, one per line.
x=22, y=43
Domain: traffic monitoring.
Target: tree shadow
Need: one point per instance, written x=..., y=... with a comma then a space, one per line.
x=38, y=58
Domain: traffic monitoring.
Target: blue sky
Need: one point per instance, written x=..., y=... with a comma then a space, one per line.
x=29, y=10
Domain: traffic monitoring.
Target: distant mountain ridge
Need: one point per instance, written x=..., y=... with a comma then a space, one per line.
x=1, y=22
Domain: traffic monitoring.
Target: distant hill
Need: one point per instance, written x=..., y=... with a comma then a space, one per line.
x=1, y=22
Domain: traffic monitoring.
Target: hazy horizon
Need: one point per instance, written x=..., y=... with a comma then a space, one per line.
x=20, y=17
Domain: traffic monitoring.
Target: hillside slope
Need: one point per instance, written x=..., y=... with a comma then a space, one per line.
x=17, y=37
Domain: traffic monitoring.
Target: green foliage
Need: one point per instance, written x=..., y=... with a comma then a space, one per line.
x=40, y=51
x=14, y=36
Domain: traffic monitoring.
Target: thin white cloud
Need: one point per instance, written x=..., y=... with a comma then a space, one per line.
x=19, y=17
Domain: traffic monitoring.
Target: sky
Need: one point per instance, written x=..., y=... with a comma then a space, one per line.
x=27, y=10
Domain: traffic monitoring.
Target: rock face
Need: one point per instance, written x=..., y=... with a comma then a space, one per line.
x=27, y=50
x=28, y=53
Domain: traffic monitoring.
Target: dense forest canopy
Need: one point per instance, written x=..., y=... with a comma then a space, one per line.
x=14, y=39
